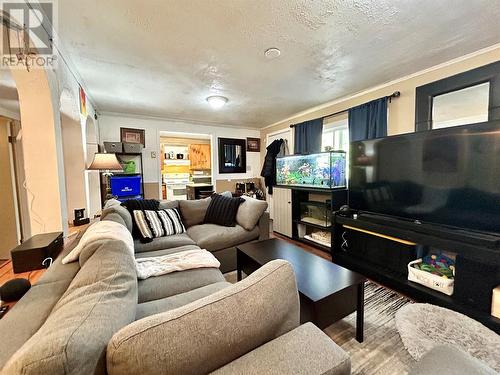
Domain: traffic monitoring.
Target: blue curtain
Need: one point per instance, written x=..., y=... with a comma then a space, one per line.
x=308, y=137
x=368, y=120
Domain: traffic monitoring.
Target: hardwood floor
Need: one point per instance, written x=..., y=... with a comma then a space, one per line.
x=311, y=249
x=7, y=273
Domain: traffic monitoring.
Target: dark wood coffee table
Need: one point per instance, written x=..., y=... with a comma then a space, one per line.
x=327, y=291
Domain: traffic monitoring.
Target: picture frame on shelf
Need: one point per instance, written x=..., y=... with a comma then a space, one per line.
x=129, y=135
x=253, y=144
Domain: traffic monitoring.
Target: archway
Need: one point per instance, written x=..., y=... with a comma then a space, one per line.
x=74, y=153
x=41, y=140
x=42, y=150
x=92, y=177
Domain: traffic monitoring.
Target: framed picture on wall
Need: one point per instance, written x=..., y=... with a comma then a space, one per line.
x=128, y=135
x=232, y=155
x=253, y=144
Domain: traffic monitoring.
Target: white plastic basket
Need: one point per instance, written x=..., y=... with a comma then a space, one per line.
x=429, y=280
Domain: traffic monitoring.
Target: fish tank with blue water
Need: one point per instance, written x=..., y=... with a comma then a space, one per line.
x=325, y=170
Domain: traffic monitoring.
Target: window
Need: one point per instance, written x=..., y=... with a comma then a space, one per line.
x=461, y=107
x=335, y=134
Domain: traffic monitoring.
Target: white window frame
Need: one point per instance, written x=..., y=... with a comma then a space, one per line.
x=338, y=127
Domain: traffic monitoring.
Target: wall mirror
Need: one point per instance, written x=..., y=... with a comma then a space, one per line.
x=466, y=98
x=232, y=155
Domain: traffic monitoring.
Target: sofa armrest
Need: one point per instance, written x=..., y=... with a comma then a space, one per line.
x=305, y=350
x=264, y=226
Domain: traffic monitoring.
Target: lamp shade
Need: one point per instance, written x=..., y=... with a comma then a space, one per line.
x=105, y=161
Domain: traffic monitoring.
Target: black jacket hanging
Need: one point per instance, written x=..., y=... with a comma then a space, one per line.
x=269, y=167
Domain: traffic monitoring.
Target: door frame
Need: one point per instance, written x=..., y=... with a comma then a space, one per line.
x=167, y=133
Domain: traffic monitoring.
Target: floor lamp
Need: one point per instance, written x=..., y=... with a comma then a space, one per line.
x=105, y=162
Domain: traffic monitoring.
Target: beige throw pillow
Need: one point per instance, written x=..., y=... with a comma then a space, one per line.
x=193, y=212
x=250, y=212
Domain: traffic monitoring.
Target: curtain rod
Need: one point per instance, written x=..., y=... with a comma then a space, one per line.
x=395, y=94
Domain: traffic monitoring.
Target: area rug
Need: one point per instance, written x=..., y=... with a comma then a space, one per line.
x=423, y=326
x=382, y=352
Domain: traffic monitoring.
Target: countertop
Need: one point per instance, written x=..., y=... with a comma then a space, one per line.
x=200, y=184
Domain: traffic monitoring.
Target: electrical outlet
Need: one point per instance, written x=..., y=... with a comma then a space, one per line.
x=153, y=154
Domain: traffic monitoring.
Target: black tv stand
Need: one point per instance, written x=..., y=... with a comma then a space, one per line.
x=474, y=238
x=380, y=248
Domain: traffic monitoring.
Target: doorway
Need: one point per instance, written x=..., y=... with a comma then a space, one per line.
x=185, y=165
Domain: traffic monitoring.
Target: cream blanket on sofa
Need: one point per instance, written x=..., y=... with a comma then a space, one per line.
x=146, y=267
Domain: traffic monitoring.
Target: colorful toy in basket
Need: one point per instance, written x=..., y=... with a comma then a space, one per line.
x=439, y=265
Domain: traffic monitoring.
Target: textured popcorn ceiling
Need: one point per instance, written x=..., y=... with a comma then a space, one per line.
x=164, y=57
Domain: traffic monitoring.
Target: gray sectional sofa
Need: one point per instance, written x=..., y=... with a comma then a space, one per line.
x=252, y=224
x=94, y=317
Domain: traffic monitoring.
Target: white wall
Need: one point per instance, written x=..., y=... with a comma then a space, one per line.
x=109, y=126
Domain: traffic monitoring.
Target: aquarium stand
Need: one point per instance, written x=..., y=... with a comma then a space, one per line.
x=312, y=215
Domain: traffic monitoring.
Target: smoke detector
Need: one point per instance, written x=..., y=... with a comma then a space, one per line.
x=272, y=53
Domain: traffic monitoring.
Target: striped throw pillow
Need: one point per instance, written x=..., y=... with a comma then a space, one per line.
x=159, y=223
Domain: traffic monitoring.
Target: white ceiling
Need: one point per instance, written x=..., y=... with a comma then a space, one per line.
x=164, y=57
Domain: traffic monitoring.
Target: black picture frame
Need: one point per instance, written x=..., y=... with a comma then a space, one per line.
x=223, y=167
x=425, y=94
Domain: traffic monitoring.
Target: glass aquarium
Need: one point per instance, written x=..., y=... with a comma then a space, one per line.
x=317, y=213
x=325, y=170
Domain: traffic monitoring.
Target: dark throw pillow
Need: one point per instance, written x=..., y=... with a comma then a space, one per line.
x=139, y=204
x=222, y=210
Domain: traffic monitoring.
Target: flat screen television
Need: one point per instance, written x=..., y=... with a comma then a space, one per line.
x=448, y=177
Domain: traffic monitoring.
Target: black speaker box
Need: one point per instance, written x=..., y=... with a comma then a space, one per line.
x=474, y=282
x=31, y=254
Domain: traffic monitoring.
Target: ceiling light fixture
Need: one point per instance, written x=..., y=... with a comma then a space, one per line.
x=216, y=101
x=272, y=53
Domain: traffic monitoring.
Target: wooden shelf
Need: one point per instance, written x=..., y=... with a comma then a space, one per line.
x=405, y=242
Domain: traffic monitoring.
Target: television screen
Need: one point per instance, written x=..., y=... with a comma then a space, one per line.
x=124, y=186
x=447, y=176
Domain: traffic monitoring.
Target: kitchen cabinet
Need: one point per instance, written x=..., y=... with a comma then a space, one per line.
x=199, y=155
